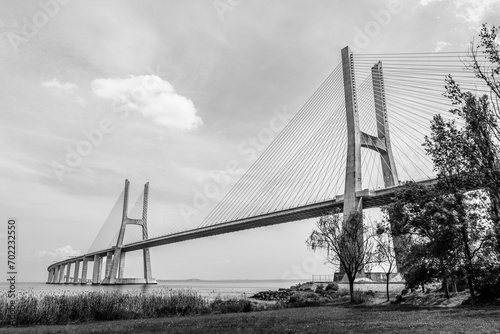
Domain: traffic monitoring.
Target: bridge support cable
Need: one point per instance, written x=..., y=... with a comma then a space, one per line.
x=109, y=228
x=282, y=188
x=280, y=178
x=414, y=85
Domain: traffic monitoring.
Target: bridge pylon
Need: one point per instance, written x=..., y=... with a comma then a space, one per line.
x=115, y=262
x=357, y=139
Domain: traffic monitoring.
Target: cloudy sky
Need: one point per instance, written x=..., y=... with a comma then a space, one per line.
x=95, y=92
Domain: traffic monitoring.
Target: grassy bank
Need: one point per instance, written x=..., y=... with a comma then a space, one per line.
x=49, y=308
x=287, y=311
x=390, y=319
x=39, y=308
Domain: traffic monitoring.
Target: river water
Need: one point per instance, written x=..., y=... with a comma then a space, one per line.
x=210, y=289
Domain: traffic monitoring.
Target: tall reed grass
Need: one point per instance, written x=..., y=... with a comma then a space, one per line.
x=47, y=308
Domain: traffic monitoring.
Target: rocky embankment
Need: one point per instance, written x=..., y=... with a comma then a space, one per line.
x=308, y=294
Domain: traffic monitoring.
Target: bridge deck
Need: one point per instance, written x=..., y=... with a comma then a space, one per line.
x=371, y=199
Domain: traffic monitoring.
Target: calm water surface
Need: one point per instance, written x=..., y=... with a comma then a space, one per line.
x=211, y=289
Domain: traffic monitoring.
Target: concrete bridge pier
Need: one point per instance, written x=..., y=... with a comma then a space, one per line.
x=121, y=269
x=76, y=273
x=50, y=278
x=68, y=273
x=109, y=259
x=147, y=267
x=61, y=273
x=96, y=275
x=85, y=263
x=56, y=276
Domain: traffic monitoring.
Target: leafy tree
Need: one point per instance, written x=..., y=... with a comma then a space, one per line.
x=488, y=49
x=467, y=157
x=479, y=138
x=449, y=233
x=451, y=227
x=463, y=160
x=347, y=241
x=419, y=268
x=424, y=216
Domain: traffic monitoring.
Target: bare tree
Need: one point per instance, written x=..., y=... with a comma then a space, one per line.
x=347, y=241
x=385, y=253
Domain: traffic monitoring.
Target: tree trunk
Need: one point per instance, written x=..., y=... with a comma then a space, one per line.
x=387, y=285
x=495, y=212
x=471, y=290
x=445, y=287
x=470, y=270
x=351, y=288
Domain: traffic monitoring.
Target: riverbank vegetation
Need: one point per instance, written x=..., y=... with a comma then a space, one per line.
x=388, y=319
x=49, y=308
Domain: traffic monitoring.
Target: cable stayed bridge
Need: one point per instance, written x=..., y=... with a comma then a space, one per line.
x=349, y=147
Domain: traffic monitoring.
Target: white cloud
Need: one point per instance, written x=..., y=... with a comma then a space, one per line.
x=64, y=89
x=153, y=97
x=440, y=46
x=475, y=11
x=60, y=253
x=55, y=83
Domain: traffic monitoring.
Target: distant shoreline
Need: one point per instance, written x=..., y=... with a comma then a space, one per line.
x=224, y=280
x=230, y=280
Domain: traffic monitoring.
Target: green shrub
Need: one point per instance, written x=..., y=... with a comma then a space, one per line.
x=332, y=286
x=320, y=289
x=358, y=297
x=370, y=293
x=488, y=284
x=304, y=300
x=294, y=298
x=343, y=292
x=230, y=306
